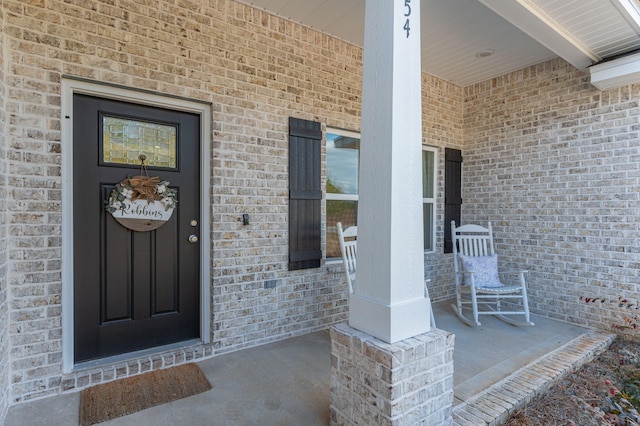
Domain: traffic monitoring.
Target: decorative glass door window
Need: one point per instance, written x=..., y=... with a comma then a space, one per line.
x=125, y=139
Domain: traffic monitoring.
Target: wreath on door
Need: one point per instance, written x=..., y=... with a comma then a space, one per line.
x=142, y=203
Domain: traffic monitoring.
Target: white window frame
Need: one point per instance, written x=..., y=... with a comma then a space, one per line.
x=432, y=200
x=355, y=197
x=338, y=197
x=349, y=134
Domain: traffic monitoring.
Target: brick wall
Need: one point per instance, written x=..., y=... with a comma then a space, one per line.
x=271, y=69
x=549, y=159
x=4, y=318
x=256, y=70
x=442, y=127
x=555, y=165
x=406, y=383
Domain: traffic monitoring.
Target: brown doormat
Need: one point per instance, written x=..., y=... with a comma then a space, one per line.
x=121, y=397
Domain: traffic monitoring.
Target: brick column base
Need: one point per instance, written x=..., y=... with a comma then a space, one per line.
x=406, y=383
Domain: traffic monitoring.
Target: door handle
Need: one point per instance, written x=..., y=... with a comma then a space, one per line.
x=193, y=239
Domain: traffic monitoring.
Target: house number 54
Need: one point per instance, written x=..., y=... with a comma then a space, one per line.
x=407, y=14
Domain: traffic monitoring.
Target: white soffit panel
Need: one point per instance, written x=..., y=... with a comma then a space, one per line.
x=605, y=26
x=531, y=19
x=630, y=9
x=455, y=31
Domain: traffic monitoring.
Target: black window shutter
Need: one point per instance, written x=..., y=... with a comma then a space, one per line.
x=305, y=194
x=452, y=193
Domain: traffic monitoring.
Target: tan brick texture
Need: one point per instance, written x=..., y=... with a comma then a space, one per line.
x=256, y=70
x=549, y=159
x=554, y=163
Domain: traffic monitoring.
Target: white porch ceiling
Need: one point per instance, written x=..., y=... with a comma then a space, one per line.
x=518, y=32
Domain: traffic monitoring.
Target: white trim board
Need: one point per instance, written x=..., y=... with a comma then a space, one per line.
x=617, y=72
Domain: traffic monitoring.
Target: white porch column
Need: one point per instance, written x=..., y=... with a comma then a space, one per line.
x=389, y=301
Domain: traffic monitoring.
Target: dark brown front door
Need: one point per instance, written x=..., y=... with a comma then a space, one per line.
x=133, y=290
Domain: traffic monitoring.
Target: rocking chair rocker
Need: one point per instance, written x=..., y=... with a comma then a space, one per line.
x=477, y=280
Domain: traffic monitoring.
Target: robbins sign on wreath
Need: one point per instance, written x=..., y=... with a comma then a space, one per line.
x=142, y=203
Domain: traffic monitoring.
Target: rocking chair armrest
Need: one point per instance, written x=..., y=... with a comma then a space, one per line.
x=466, y=275
x=468, y=278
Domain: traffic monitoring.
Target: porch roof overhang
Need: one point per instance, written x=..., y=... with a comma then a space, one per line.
x=469, y=41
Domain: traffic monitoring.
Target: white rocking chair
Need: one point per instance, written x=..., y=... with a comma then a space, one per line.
x=477, y=279
x=348, y=248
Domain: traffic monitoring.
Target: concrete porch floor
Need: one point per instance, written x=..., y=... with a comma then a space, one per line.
x=497, y=368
